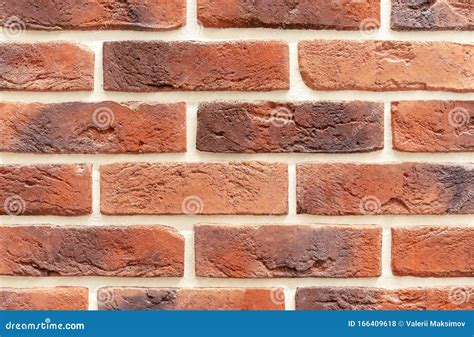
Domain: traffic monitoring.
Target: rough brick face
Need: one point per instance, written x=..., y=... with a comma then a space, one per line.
x=432, y=15
x=86, y=251
x=287, y=251
x=433, y=126
x=308, y=14
x=190, y=299
x=94, y=14
x=46, y=189
x=371, y=189
x=194, y=188
x=49, y=66
x=165, y=66
x=58, y=298
x=433, y=251
x=290, y=127
x=105, y=127
x=358, y=298
x=387, y=65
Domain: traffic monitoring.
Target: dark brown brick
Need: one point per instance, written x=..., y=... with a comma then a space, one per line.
x=315, y=14
x=46, y=189
x=433, y=251
x=432, y=15
x=145, y=251
x=372, y=189
x=433, y=126
x=358, y=298
x=52, y=66
x=167, y=66
x=190, y=299
x=57, y=298
x=93, y=14
x=290, y=127
x=387, y=65
x=194, y=188
x=287, y=251
x=105, y=127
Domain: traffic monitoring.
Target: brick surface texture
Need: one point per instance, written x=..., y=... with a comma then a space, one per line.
x=236, y=155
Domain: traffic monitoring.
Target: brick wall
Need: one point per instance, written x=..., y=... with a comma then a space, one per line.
x=209, y=154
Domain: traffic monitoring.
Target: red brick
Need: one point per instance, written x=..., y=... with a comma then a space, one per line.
x=372, y=189
x=93, y=14
x=433, y=126
x=57, y=298
x=287, y=251
x=290, y=127
x=433, y=15
x=433, y=251
x=194, y=188
x=104, y=127
x=167, y=66
x=52, y=66
x=358, y=298
x=110, y=298
x=315, y=14
x=46, y=189
x=145, y=251
x=387, y=65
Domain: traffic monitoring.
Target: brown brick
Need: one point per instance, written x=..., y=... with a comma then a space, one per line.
x=371, y=189
x=105, y=127
x=93, y=14
x=290, y=127
x=433, y=251
x=358, y=298
x=57, y=298
x=432, y=15
x=46, y=189
x=167, y=66
x=433, y=126
x=317, y=14
x=52, y=66
x=194, y=188
x=190, y=299
x=133, y=251
x=287, y=251
x=387, y=65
